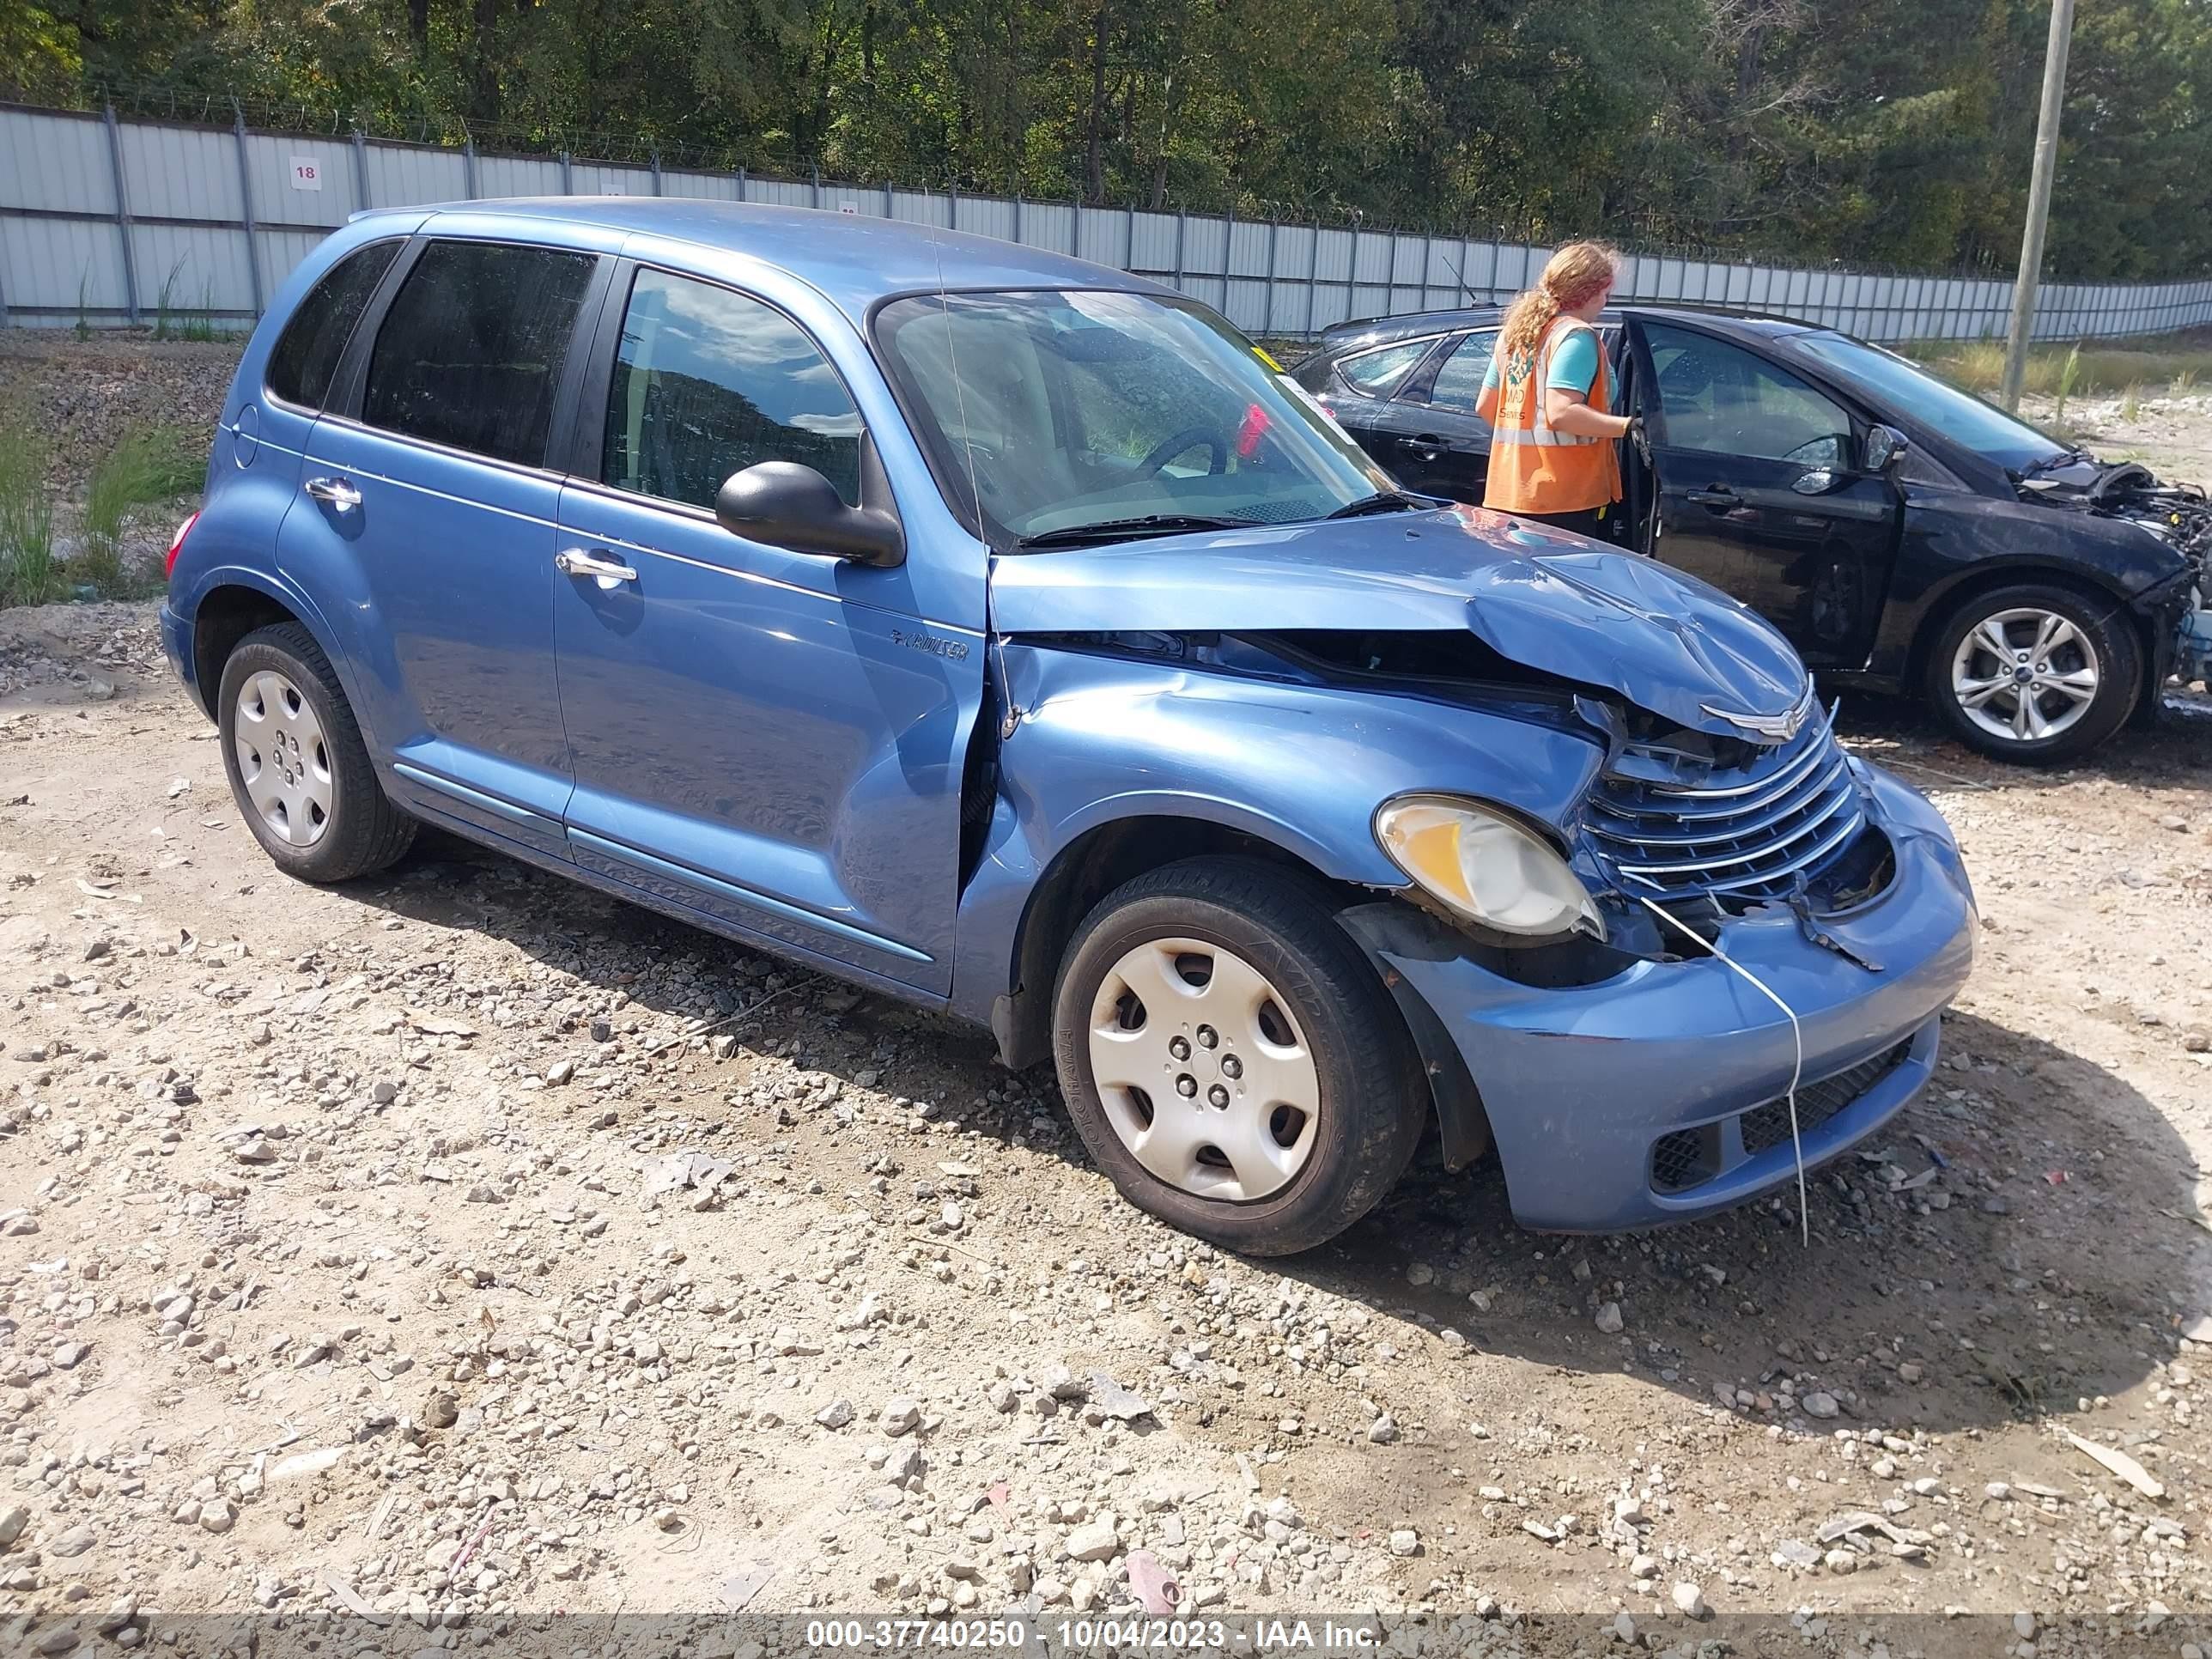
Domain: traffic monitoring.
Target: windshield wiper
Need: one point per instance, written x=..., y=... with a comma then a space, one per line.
x=1387, y=500
x=2051, y=463
x=1115, y=530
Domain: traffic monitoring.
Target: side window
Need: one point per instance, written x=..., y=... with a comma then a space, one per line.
x=1722, y=399
x=707, y=383
x=307, y=351
x=1372, y=374
x=1459, y=377
x=470, y=354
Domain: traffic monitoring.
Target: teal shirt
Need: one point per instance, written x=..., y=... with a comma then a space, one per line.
x=1574, y=364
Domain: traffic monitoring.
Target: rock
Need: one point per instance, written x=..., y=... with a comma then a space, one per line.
x=440, y=1411
x=1097, y=1541
x=837, y=1414
x=1797, y=1552
x=1405, y=1541
x=1061, y=1384
x=560, y=1072
x=1002, y=1397
x=1689, y=1600
x=1384, y=1430
x=1997, y=1490
x=1420, y=1272
x=2023, y=1626
x=1609, y=1321
x=1821, y=1403
x=71, y=1355
x=1624, y=1629
x=13, y=1520
x=57, y=1639
x=901, y=1416
x=1840, y=1560
x=73, y=1543
x=1911, y=1371
x=219, y=1515
x=119, y=1612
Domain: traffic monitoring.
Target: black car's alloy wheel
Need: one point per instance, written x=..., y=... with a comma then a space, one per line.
x=2034, y=672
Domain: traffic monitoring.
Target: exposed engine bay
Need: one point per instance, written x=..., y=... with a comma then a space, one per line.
x=2180, y=515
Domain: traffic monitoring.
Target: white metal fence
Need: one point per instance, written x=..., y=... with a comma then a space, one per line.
x=106, y=222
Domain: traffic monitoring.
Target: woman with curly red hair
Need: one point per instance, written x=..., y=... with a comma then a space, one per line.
x=1553, y=454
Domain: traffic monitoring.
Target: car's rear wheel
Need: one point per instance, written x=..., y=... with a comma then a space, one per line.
x=1230, y=1059
x=2034, y=672
x=298, y=769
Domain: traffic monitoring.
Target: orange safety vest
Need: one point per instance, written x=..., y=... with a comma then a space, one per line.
x=1535, y=468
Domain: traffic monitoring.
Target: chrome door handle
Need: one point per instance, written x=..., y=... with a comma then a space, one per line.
x=575, y=561
x=335, y=493
x=1719, y=496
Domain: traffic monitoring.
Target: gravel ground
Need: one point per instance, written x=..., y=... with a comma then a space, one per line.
x=470, y=1248
x=467, y=1246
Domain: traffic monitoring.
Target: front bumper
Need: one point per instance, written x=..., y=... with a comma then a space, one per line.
x=1595, y=1093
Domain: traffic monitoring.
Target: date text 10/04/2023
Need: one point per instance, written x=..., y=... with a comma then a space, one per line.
x=1082, y=1635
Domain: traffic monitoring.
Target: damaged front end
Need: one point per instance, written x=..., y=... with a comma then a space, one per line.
x=1475, y=716
x=2179, y=517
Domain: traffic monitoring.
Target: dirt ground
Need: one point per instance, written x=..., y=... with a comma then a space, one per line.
x=343, y=1268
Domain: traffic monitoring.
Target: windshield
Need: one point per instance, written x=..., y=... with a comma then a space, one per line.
x=1959, y=416
x=1071, y=409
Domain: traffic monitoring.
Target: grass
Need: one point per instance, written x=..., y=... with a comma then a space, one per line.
x=2178, y=361
x=2132, y=403
x=27, y=572
x=2070, y=382
x=147, y=466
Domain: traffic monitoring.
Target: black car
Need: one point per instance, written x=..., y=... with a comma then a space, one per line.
x=1903, y=534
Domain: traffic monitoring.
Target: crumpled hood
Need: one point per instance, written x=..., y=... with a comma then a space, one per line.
x=1552, y=602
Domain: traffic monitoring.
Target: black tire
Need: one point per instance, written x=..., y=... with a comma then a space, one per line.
x=364, y=831
x=1372, y=1105
x=2102, y=627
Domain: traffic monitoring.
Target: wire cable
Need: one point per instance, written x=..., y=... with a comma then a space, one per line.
x=1796, y=1036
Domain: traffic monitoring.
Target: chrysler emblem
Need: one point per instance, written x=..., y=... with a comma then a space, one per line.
x=1770, y=728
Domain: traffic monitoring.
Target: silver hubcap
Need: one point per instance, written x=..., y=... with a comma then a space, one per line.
x=1202, y=1072
x=283, y=763
x=2025, y=674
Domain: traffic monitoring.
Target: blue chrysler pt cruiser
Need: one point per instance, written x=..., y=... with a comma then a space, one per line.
x=1003, y=633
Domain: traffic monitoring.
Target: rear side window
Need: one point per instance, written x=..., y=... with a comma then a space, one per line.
x=1458, y=378
x=470, y=353
x=707, y=383
x=307, y=351
x=1372, y=374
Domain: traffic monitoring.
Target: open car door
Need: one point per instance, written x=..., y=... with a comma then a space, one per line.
x=1757, y=488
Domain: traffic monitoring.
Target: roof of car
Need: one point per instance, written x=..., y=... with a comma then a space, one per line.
x=1380, y=331
x=853, y=259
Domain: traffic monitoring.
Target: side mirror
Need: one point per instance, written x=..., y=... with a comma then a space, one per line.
x=1885, y=448
x=785, y=504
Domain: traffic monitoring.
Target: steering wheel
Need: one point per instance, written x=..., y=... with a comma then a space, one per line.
x=1189, y=438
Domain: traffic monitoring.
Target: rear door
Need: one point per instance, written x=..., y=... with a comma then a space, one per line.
x=773, y=738
x=427, y=503
x=1759, y=491
x=1357, y=390
x=1430, y=438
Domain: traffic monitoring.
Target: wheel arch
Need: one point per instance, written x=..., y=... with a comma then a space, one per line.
x=1101, y=859
x=1939, y=607
x=233, y=604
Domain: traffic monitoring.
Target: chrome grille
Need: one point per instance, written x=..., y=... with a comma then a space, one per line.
x=1749, y=832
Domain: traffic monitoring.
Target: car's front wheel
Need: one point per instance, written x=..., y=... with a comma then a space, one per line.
x=298, y=767
x=1230, y=1059
x=2034, y=672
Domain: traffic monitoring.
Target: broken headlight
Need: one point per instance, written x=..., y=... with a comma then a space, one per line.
x=1482, y=866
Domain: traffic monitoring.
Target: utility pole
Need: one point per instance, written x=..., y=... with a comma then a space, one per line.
x=2039, y=197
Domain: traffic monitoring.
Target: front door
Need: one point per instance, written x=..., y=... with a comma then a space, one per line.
x=1428, y=436
x=1759, y=492
x=773, y=739
x=433, y=501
